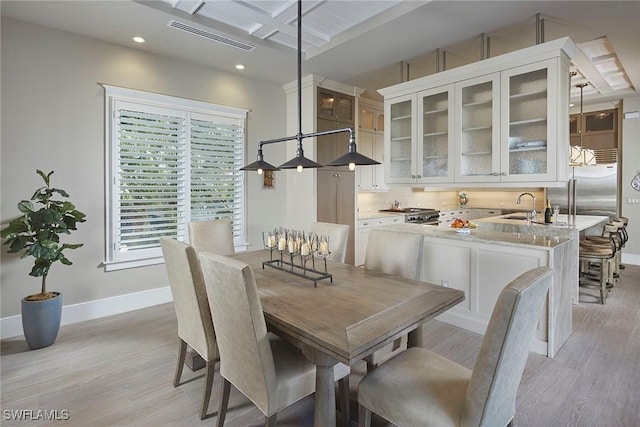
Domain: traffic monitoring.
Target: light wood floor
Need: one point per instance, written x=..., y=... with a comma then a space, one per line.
x=118, y=371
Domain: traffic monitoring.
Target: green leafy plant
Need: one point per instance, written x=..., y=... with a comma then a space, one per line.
x=37, y=232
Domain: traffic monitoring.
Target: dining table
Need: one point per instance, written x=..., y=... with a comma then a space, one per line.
x=345, y=318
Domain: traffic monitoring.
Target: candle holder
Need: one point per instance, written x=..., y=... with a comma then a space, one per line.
x=296, y=252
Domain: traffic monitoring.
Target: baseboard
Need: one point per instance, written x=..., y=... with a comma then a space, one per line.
x=12, y=326
x=630, y=258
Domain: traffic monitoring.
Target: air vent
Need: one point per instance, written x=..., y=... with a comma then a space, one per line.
x=606, y=155
x=211, y=36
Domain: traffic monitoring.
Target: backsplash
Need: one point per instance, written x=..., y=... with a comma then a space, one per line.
x=443, y=200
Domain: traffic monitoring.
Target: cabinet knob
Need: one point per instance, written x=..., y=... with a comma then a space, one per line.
x=419, y=176
x=503, y=173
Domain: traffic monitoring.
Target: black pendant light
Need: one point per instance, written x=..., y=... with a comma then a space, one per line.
x=300, y=162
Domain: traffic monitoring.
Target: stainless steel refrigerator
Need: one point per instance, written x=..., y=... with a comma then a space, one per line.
x=596, y=191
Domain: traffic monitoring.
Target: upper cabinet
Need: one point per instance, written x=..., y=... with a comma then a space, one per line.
x=336, y=106
x=500, y=121
x=370, y=141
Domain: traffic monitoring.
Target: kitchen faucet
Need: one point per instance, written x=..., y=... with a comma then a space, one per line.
x=534, y=214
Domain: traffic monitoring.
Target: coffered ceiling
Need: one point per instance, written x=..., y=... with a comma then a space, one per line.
x=358, y=42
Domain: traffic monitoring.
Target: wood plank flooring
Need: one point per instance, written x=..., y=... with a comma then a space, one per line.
x=118, y=371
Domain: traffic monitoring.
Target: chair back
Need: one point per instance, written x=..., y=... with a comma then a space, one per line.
x=215, y=236
x=190, y=302
x=338, y=237
x=491, y=395
x=246, y=360
x=394, y=252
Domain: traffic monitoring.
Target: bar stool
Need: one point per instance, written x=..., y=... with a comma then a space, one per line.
x=620, y=239
x=601, y=254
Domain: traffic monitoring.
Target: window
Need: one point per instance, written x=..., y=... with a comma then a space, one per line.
x=169, y=161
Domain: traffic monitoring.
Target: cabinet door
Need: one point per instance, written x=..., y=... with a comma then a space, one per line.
x=371, y=119
x=434, y=141
x=399, y=116
x=327, y=194
x=365, y=174
x=477, y=142
x=379, y=182
x=335, y=106
x=327, y=145
x=529, y=122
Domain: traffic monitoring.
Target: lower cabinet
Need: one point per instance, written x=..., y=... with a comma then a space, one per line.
x=362, y=233
x=482, y=270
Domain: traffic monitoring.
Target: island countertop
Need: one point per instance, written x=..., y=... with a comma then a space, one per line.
x=582, y=222
x=484, y=236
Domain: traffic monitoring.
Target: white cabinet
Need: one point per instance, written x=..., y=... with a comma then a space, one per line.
x=400, y=146
x=498, y=121
x=370, y=143
x=477, y=134
x=481, y=271
x=362, y=233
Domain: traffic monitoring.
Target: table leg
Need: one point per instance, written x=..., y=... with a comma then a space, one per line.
x=416, y=337
x=324, y=413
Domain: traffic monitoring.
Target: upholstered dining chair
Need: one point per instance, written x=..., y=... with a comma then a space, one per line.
x=338, y=237
x=190, y=302
x=215, y=236
x=272, y=373
x=421, y=388
x=399, y=253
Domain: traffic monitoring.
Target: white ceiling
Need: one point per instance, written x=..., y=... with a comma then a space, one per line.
x=356, y=42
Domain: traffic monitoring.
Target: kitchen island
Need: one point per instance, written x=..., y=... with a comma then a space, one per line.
x=584, y=225
x=483, y=262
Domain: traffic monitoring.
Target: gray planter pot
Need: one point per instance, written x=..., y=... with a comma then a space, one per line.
x=41, y=321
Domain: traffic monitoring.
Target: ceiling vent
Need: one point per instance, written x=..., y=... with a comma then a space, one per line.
x=211, y=36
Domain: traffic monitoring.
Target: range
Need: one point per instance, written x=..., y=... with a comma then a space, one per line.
x=424, y=216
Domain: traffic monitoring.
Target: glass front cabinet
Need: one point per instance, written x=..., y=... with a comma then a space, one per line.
x=399, y=147
x=477, y=137
x=530, y=121
x=504, y=126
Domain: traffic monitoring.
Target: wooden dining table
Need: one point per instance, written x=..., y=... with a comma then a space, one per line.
x=345, y=320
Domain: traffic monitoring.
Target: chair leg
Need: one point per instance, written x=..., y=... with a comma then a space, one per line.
x=345, y=403
x=224, y=402
x=271, y=420
x=364, y=417
x=604, y=275
x=181, y=355
x=211, y=368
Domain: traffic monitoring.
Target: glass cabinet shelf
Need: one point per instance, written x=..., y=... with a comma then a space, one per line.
x=401, y=139
x=401, y=159
x=527, y=122
x=517, y=96
x=517, y=150
x=477, y=153
x=443, y=110
x=478, y=103
x=476, y=128
x=431, y=134
x=393, y=119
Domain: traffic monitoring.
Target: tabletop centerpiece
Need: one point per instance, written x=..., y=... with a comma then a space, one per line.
x=295, y=252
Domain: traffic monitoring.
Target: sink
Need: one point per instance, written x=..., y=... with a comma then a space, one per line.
x=515, y=217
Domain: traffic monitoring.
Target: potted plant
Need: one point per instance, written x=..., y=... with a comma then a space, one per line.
x=37, y=233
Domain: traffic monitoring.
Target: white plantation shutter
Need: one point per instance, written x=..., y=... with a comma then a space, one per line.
x=169, y=165
x=217, y=184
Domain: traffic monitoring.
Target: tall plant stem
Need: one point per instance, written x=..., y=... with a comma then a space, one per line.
x=44, y=284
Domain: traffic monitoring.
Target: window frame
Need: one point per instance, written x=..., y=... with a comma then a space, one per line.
x=114, y=95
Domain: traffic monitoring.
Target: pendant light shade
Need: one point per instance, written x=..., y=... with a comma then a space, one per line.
x=300, y=162
x=259, y=165
x=353, y=158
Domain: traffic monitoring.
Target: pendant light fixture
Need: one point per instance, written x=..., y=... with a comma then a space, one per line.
x=300, y=162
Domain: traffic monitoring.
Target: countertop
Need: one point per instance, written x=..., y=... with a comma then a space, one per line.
x=482, y=236
x=582, y=221
x=378, y=214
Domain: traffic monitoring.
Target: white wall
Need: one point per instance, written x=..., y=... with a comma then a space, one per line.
x=53, y=119
x=631, y=166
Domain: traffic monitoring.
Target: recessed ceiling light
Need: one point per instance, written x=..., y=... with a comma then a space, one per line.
x=138, y=39
x=240, y=67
